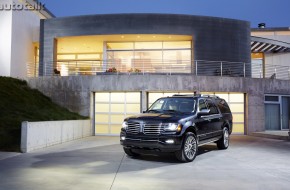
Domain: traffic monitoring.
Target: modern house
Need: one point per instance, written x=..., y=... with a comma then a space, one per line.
x=112, y=66
x=19, y=27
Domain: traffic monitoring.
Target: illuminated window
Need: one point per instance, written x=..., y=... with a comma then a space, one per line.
x=127, y=52
x=152, y=56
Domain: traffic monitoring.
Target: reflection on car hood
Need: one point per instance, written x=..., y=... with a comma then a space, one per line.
x=156, y=117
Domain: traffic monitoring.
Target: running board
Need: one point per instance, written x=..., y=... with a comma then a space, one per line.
x=207, y=142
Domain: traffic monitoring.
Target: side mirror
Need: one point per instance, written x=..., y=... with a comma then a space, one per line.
x=203, y=112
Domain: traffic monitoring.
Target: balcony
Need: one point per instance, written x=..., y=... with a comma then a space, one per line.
x=169, y=67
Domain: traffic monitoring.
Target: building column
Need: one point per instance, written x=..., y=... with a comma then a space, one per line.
x=256, y=113
x=144, y=100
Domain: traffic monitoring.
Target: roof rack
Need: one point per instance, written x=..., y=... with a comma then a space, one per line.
x=186, y=95
x=210, y=96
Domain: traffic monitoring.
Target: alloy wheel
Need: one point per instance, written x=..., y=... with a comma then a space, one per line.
x=190, y=147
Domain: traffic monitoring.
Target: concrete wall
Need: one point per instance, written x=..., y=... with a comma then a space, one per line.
x=37, y=135
x=5, y=39
x=74, y=92
x=214, y=39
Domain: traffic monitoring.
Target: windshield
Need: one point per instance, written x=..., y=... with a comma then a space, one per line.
x=173, y=105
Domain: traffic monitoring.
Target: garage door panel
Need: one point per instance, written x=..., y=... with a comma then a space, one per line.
x=102, y=97
x=115, y=128
x=102, y=118
x=133, y=97
x=238, y=128
x=133, y=108
x=112, y=107
x=117, y=118
x=102, y=107
x=117, y=108
x=102, y=129
x=237, y=107
x=238, y=118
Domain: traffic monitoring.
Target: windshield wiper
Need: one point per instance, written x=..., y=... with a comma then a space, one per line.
x=171, y=111
x=154, y=111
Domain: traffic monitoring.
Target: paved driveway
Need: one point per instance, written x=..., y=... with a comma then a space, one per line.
x=99, y=163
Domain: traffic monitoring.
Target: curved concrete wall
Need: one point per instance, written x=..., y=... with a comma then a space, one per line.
x=75, y=92
x=214, y=39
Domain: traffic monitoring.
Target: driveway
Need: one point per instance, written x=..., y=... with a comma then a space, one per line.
x=99, y=163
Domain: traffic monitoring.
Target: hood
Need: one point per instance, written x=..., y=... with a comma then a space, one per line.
x=156, y=117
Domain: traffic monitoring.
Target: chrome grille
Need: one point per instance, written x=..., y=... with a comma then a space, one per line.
x=133, y=127
x=153, y=129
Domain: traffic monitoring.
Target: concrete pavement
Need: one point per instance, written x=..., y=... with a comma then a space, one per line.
x=99, y=163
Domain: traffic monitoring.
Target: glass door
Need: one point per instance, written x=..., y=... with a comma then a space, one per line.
x=272, y=117
x=285, y=113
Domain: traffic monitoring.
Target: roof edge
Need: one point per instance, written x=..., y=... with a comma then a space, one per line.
x=157, y=14
x=270, y=29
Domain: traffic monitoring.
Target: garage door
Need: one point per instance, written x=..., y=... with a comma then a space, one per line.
x=235, y=101
x=112, y=107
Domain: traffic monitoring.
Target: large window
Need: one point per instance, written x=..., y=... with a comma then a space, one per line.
x=89, y=55
x=157, y=57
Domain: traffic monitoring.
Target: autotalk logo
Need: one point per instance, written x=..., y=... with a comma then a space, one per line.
x=25, y=6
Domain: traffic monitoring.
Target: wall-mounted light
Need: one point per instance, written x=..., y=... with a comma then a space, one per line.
x=262, y=25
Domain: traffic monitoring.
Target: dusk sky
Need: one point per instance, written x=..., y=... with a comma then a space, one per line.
x=275, y=13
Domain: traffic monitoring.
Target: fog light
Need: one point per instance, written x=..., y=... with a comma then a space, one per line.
x=170, y=141
x=123, y=138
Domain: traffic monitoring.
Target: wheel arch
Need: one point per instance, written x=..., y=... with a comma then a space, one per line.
x=228, y=126
x=191, y=129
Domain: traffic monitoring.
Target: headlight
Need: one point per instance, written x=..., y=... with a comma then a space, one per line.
x=172, y=127
x=124, y=125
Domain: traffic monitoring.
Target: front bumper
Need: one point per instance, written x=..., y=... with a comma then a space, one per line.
x=161, y=143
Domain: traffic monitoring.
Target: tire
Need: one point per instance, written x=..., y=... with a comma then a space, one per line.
x=129, y=152
x=189, y=148
x=224, y=142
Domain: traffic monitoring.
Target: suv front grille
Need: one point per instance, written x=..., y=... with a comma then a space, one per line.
x=153, y=129
x=133, y=127
x=148, y=128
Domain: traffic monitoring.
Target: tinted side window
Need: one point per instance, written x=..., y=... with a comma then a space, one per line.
x=212, y=107
x=201, y=104
x=223, y=106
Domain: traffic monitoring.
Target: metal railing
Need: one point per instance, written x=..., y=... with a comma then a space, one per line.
x=169, y=67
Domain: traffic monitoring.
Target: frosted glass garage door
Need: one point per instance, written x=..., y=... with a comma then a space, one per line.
x=235, y=101
x=112, y=107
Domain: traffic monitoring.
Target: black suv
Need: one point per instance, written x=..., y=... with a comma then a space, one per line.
x=178, y=124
